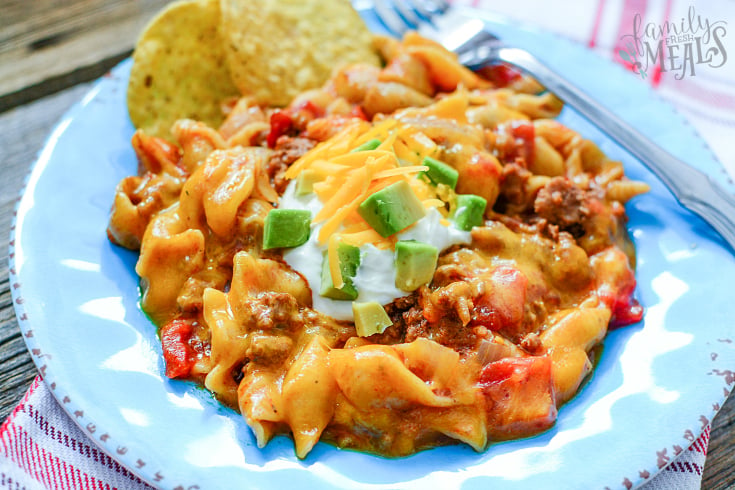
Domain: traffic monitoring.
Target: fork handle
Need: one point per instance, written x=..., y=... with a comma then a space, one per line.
x=694, y=189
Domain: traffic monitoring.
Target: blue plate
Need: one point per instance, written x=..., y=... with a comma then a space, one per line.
x=657, y=385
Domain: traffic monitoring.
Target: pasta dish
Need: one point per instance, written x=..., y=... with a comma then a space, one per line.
x=409, y=256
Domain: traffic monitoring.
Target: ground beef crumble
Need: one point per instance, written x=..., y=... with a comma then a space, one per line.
x=288, y=149
x=562, y=203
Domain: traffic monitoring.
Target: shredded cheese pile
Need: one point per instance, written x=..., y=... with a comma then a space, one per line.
x=344, y=178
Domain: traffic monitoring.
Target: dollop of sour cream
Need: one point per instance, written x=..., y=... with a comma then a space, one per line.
x=375, y=279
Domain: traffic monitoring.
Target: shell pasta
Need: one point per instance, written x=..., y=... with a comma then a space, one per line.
x=470, y=311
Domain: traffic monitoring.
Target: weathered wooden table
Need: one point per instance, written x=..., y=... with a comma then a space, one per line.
x=49, y=53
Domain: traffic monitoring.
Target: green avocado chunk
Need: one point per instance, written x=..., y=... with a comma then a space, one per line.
x=286, y=228
x=415, y=264
x=305, y=182
x=368, y=145
x=349, y=261
x=469, y=212
x=440, y=172
x=370, y=318
x=392, y=209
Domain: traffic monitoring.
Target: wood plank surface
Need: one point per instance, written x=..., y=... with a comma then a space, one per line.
x=22, y=133
x=45, y=44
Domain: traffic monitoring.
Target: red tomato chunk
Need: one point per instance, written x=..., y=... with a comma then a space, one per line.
x=177, y=352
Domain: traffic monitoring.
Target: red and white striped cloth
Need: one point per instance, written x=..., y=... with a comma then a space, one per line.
x=40, y=446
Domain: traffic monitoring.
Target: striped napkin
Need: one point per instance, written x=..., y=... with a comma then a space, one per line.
x=40, y=446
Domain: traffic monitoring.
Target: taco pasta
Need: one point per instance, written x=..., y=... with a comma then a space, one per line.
x=408, y=256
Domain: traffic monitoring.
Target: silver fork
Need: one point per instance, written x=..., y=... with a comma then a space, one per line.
x=476, y=47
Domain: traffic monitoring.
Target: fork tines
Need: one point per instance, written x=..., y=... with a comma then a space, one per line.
x=399, y=16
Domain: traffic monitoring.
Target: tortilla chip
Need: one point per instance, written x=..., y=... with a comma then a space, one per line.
x=278, y=49
x=179, y=69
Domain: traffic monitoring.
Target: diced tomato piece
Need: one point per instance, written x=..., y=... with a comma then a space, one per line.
x=358, y=113
x=177, y=352
x=310, y=107
x=519, y=395
x=503, y=304
x=281, y=123
x=616, y=287
x=625, y=308
x=523, y=133
x=626, y=312
x=500, y=75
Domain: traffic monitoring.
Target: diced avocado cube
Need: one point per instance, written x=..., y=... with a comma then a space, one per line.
x=305, y=182
x=286, y=228
x=415, y=264
x=392, y=208
x=370, y=318
x=349, y=261
x=440, y=172
x=368, y=145
x=469, y=212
